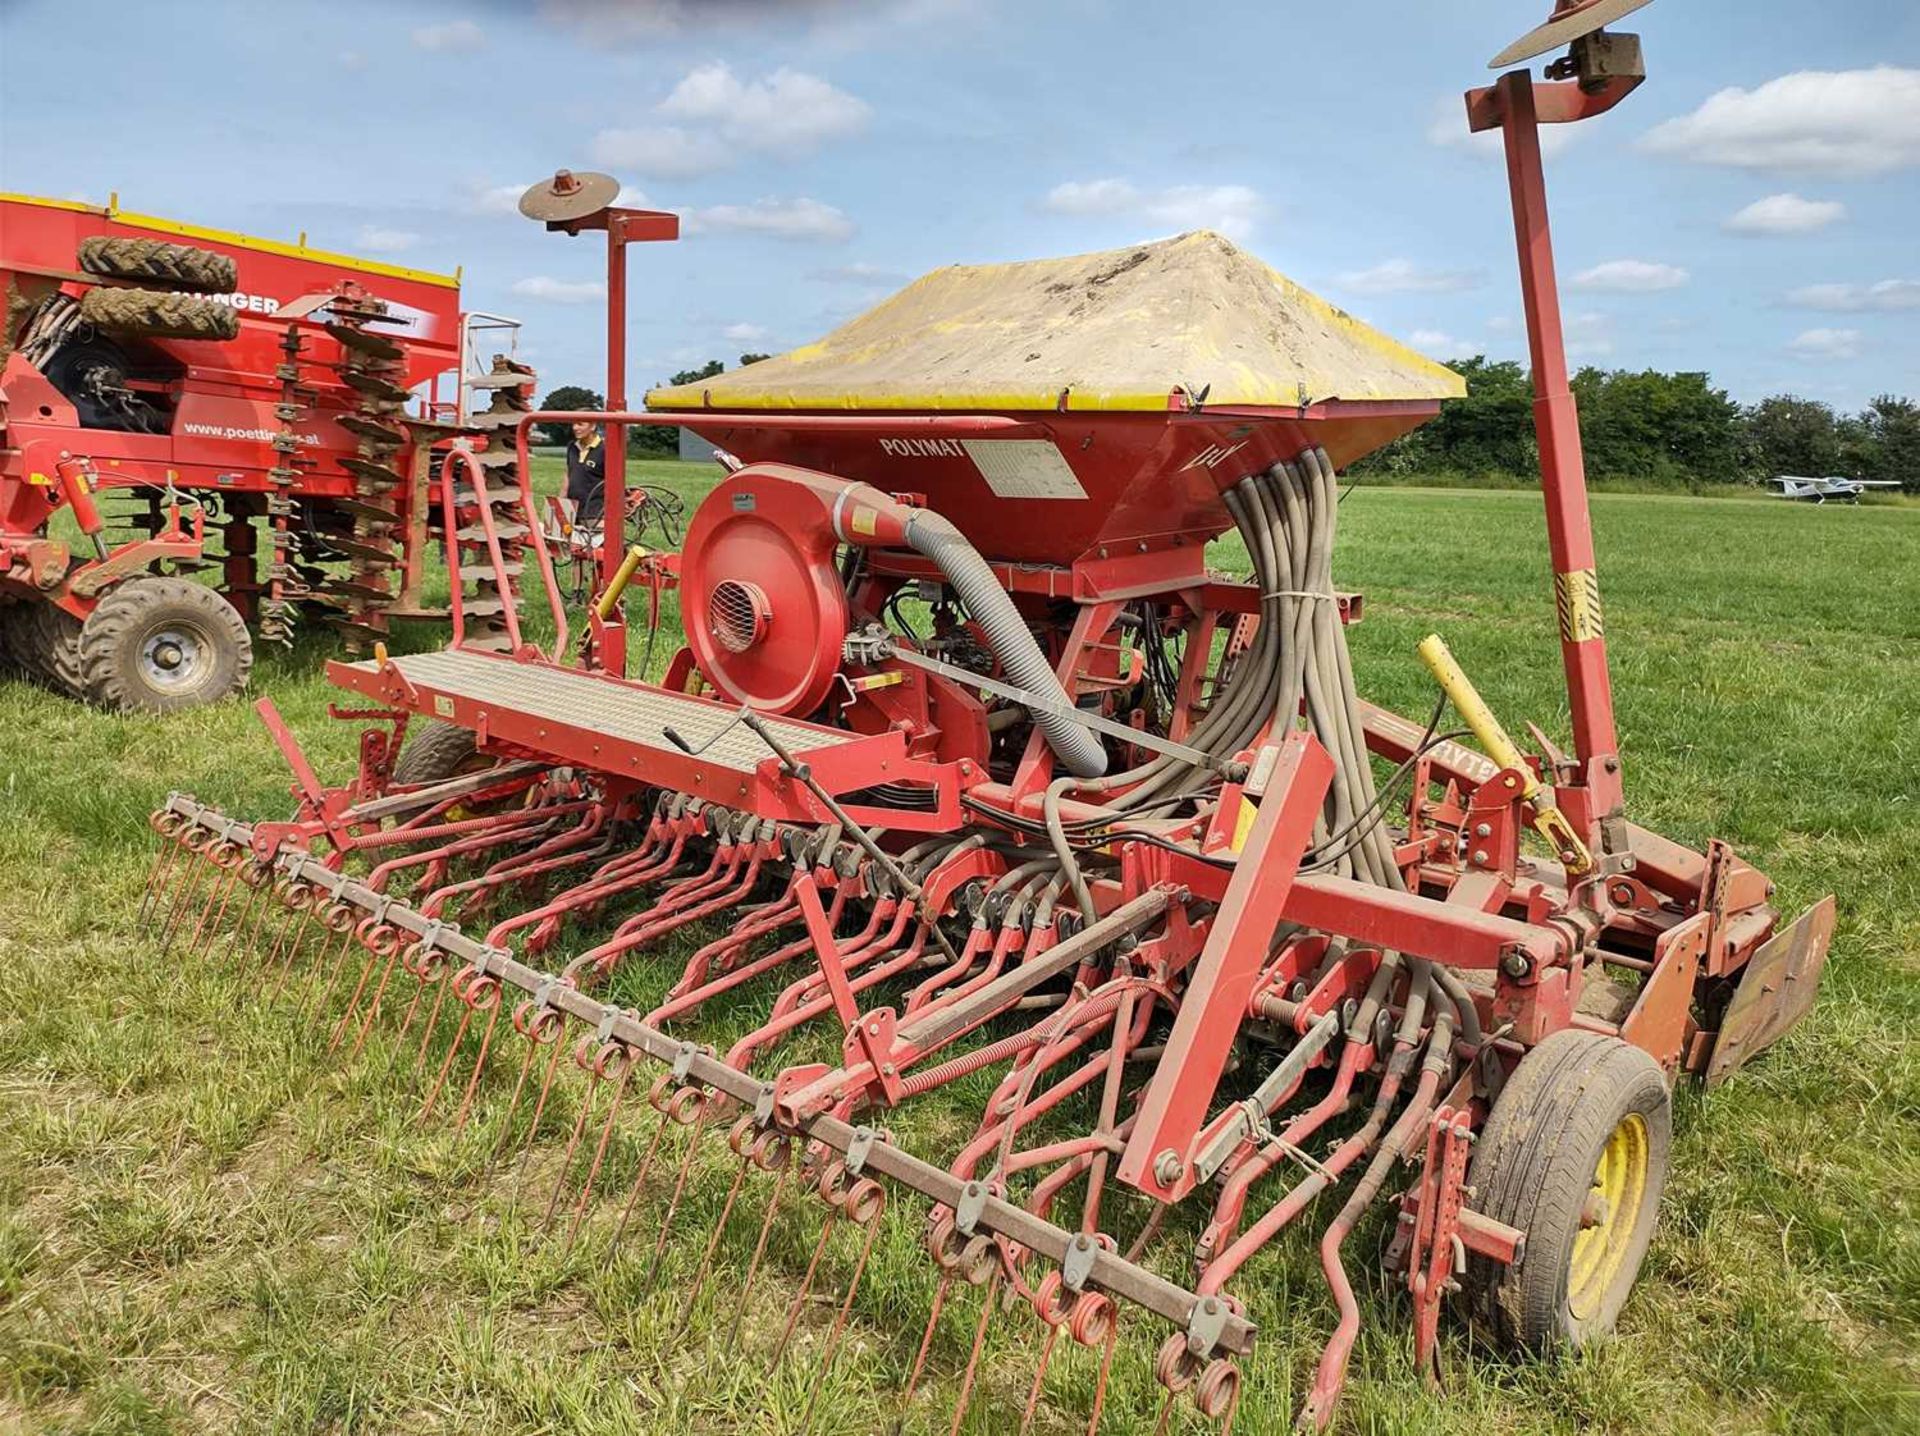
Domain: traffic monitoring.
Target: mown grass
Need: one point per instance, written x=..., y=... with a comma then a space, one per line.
x=208, y=1223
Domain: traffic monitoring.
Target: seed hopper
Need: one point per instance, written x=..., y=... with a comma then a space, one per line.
x=974, y=779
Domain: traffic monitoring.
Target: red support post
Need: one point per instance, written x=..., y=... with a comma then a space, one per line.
x=1563, y=483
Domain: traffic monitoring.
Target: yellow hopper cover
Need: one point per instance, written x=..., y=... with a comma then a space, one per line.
x=1121, y=329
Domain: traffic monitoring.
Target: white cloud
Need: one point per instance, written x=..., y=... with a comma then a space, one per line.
x=1786, y=214
x=1886, y=296
x=787, y=112
x=376, y=240
x=662, y=151
x=351, y=60
x=1826, y=344
x=1403, y=276
x=714, y=117
x=1847, y=122
x=1630, y=276
x=1439, y=343
x=1501, y=324
x=745, y=333
x=1233, y=209
x=1448, y=129
x=455, y=37
x=549, y=290
x=802, y=219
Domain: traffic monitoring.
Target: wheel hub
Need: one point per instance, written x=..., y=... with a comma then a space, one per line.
x=173, y=658
x=1611, y=1212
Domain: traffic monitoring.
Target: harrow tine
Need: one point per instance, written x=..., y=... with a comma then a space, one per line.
x=973, y=1358
x=680, y=1181
x=872, y=1200
x=760, y=1247
x=719, y=1229
x=533, y=1130
x=1106, y=1371
x=453, y=1050
x=926, y=1345
x=286, y=968
x=639, y=1178
x=164, y=859
x=520, y=1082
x=806, y=1285
x=379, y=993
x=1039, y=1380
x=353, y=1002
x=182, y=897
x=323, y=994
x=613, y=1054
x=431, y=972
x=492, y=998
x=579, y=1126
x=223, y=888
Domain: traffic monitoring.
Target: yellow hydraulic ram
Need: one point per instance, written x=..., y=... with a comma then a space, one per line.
x=609, y=601
x=1548, y=820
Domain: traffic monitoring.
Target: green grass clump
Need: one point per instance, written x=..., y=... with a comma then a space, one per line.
x=207, y=1223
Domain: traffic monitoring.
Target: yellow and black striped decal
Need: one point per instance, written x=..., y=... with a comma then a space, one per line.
x=1577, y=595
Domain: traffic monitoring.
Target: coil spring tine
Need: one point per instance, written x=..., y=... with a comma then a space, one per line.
x=926, y=1345
x=513, y=1103
x=446, y=1064
x=759, y=1251
x=679, y=1187
x=480, y=1061
x=1106, y=1370
x=599, y=1155
x=439, y=984
x=182, y=896
x=573, y=1143
x=840, y=1322
x=639, y=1181
x=164, y=858
x=713, y=1243
x=973, y=1359
x=806, y=1284
x=533, y=1131
x=323, y=994
x=353, y=1002
x=1040, y=1379
x=373, y=1007
x=224, y=888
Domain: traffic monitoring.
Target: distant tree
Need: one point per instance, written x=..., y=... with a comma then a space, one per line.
x=567, y=396
x=694, y=376
x=1790, y=435
x=1892, y=426
x=746, y=359
x=1653, y=426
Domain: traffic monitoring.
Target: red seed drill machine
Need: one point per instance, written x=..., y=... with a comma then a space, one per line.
x=195, y=398
x=975, y=788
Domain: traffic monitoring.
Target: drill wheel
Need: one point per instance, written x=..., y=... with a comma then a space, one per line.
x=160, y=644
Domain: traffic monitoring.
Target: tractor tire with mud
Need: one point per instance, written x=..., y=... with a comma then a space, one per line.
x=437, y=751
x=158, y=644
x=1575, y=1155
x=154, y=261
x=49, y=638
x=158, y=316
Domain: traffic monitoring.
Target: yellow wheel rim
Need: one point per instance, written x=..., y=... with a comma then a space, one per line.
x=1609, y=1216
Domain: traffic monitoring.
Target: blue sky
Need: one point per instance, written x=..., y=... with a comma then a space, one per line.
x=1753, y=211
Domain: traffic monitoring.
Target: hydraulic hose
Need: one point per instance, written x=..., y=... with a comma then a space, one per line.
x=1008, y=636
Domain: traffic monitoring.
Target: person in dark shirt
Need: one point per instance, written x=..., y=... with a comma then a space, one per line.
x=586, y=474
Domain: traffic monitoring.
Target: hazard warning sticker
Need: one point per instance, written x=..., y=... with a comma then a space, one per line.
x=1023, y=469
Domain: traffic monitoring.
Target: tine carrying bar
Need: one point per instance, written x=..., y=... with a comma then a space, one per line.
x=1107, y=1270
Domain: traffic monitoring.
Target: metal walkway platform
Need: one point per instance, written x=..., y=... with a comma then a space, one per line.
x=628, y=713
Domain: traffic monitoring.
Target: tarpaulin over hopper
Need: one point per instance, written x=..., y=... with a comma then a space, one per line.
x=1118, y=330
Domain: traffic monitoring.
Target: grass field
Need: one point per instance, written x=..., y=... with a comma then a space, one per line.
x=206, y=1223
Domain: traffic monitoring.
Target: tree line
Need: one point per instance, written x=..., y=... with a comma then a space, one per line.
x=1672, y=430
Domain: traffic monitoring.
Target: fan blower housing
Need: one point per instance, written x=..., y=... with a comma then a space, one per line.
x=763, y=605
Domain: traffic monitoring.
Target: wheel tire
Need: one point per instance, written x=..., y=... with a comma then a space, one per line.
x=436, y=752
x=159, y=644
x=53, y=647
x=154, y=261
x=1583, y=1113
x=158, y=316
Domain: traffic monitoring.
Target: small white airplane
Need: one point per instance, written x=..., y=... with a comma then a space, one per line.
x=1818, y=491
